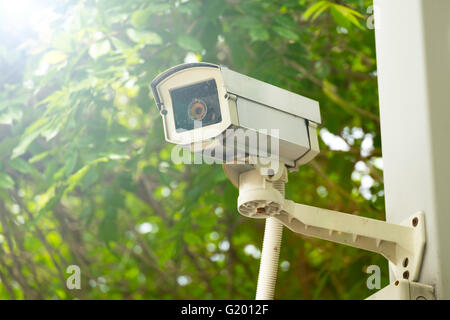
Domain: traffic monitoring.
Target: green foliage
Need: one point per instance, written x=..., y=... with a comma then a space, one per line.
x=342, y=15
x=86, y=176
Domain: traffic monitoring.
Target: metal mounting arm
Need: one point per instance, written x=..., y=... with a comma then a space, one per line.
x=402, y=244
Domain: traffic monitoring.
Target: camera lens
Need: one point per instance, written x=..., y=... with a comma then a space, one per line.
x=197, y=110
x=197, y=102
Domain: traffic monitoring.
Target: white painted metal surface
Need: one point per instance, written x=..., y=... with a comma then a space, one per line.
x=269, y=95
x=413, y=58
x=270, y=253
x=404, y=290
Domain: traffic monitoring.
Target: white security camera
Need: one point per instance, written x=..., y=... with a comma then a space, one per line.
x=209, y=107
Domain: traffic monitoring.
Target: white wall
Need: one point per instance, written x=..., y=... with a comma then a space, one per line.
x=413, y=57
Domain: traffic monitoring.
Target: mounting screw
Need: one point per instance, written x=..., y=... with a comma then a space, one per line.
x=396, y=282
x=405, y=262
x=261, y=210
x=406, y=275
x=163, y=112
x=415, y=222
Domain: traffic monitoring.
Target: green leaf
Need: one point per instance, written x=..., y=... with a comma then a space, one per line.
x=143, y=18
x=31, y=133
x=286, y=22
x=52, y=128
x=144, y=37
x=140, y=18
x=39, y=157
x=207, y=220
x=108, y=227
x=12, y=102
x=189, y=43
x=54, y=57
x=347, y=11
x=11, y=115
x=24, y=143
x=120, y=45
x=192, y=238
x=89, y=179
x=286, y=33
x=63, y=41
x=167, y=253
x=247, y=22
x=316, y=9
x=345, y=16
x=71, y=162
x=6, y=182
x=21, y=165
x=259, y=34
x=75, y=179
x=99, y=49
x=45, y=198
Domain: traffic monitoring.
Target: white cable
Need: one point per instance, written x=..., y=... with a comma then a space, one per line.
x=270, y=254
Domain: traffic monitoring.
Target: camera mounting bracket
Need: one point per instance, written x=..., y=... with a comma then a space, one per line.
x=404, y=290
x=402, y=244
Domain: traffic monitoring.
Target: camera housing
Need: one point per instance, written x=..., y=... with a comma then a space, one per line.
x=203, y=105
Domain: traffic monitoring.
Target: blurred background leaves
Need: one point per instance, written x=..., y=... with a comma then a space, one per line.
x=86, y=176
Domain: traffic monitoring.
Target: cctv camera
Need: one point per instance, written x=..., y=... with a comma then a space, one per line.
x=212, y=108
